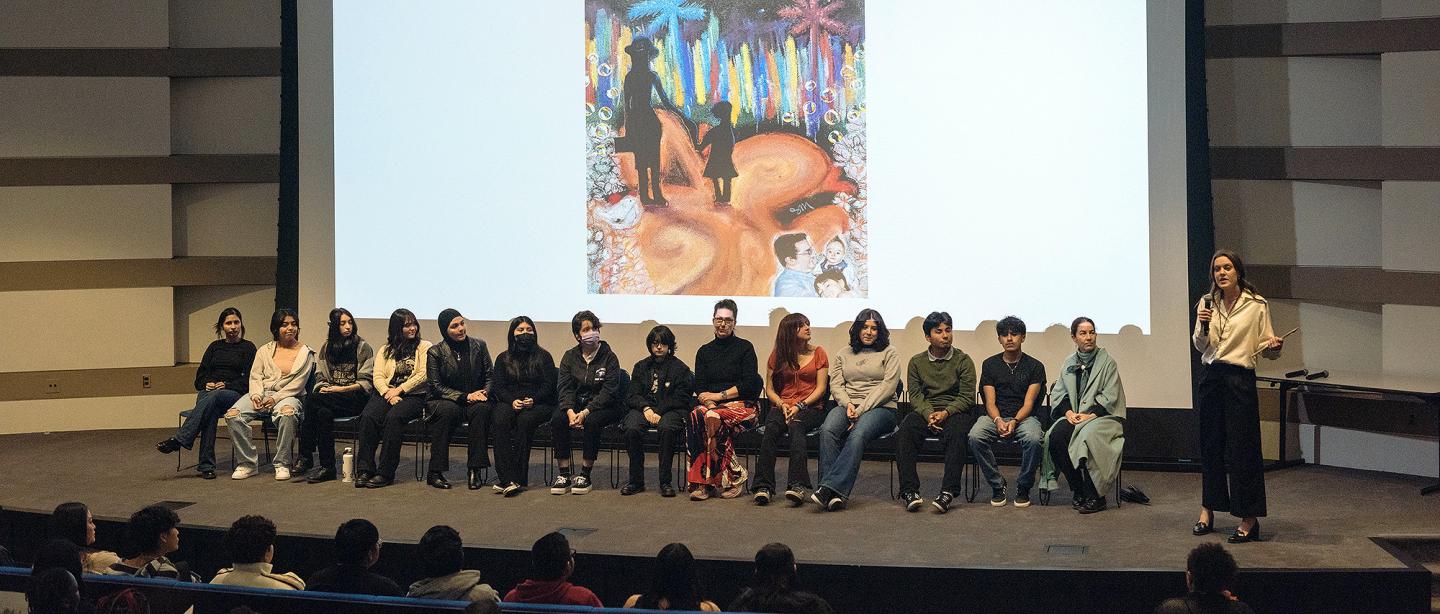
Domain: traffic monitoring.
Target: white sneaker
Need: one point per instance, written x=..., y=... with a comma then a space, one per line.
x=242, y=472
x=282, y=473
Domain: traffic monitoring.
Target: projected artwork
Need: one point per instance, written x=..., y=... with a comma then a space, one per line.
x=726, y=147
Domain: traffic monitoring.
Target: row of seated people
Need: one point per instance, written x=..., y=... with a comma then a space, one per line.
x=152, y=535
x=850, y=398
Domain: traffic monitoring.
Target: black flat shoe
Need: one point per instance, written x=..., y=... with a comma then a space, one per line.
x=631, y=489
x=472, y=479
x=667, y=490
x=320, y=474
x=1204, y=528
x=1090, y=506
x=379, y=481
x=168, y=446
x=1240, y=537
x=436, y=480
x=207, y=474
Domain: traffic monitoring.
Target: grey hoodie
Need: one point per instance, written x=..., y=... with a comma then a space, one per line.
x=463, y=585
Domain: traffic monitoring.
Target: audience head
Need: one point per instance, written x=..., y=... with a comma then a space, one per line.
x=441, y=552
x=1082, y=330
x=724, y=313
x=674, y=578
x=152, y=531
x=452, y=325
x=403, y=334
x=868, y=331
x=53, y=591
x=250, y=539
x=357, y=542
x=1210, y=569
x=586, y=328
x=1011, y=332
x=794, y=252
x=831, y=283
x=551, y=558
x=285, y=325
x=230, y=325
x=660, y=341
x=775, y=565
x=72, y=521
x=59, y=554
x=791, y=338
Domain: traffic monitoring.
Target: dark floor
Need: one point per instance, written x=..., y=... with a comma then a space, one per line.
x=1319, y=517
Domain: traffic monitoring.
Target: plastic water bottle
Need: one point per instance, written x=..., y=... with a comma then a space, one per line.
x=347, y=466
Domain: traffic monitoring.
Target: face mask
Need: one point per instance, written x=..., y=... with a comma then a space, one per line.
x=590, y=340
x=525, y=341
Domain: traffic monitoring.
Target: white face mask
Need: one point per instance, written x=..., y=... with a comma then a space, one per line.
x=591, y=339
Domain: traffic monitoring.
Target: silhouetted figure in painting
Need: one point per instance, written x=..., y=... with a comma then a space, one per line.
x=642, y=126
x=720, y=166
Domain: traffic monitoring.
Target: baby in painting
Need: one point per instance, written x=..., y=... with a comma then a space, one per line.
x=835, y=260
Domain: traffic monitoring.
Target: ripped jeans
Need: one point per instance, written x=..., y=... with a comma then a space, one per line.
x=285, y=414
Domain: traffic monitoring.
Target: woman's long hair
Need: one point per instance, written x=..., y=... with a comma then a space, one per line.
x=396, y=345
x=674, y=581
x=69, y=522
x=520, y=364
x=1240, y=279
x=339, y=348
x=788, y=344
x=882, y=339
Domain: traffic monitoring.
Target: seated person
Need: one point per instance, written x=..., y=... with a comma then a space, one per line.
x=223, y=376
x=798, y=380
x=442, y=555
x=942, y=392
x=551, y=564
x=151, y=535
x=401, y=389
x=73, y=522
x=774, y=589
x=344, y=380
x=863, y=379
x=659, y=396
x=525, y=398
x=52, y=591
x=250, y=540
x=357, y=548
x=590, y=400
x=673, y=586
x=458, y=370
x=1209, y=574
x=1087, y=438
x=727, y=390
x=1011, y=382
x=797, y=259
x=277, y=389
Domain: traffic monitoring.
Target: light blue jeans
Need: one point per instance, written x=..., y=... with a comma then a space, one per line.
x=1031, y=439
x=842, y=447
x=285, y=415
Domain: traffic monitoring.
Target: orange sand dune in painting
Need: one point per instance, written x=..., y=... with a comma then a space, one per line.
x=695, y=247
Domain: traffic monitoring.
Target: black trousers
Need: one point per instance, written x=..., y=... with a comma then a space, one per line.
x=671, y=428
x=775, y=428
x=1077, y=477
x=383, y=425
x=514, y=432
x=317, y=430
x=444, y=417
x=954, y=434
x=1232, y=470
x=594, y=425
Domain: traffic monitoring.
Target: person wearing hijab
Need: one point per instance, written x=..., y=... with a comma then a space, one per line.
x=459, y=372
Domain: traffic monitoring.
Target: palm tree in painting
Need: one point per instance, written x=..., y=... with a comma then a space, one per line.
x=667, y=13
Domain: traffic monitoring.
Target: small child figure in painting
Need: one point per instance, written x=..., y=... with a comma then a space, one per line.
x=832, y=284
x=720, y=166
x=835, y=260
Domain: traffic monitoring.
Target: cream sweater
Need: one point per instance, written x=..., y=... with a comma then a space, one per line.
x=1236, y=334
x=385, y=369
x=266, y=379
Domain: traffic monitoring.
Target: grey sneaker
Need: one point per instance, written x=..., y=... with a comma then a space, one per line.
x=997, y=497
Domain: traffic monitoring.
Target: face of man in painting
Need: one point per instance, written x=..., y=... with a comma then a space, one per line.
x=804, y=258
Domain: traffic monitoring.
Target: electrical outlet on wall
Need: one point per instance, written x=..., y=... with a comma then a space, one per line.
x=145, y=380
x=52, y=386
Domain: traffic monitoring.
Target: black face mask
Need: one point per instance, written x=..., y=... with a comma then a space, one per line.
x=525, y=341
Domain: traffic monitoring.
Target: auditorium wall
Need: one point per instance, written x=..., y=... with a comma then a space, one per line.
x=1366, y=225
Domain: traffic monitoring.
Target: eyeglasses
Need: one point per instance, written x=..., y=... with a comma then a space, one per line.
x=719, y=321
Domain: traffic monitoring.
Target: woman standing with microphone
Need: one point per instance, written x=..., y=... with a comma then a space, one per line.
x=1232, y=329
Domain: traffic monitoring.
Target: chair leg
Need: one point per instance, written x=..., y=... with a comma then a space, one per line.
x=181, y=452
x=893, y=494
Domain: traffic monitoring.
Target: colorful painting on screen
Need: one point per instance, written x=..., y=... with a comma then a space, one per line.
x=726, y=147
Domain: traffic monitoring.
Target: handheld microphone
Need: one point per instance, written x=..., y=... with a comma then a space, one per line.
x=1205, y=326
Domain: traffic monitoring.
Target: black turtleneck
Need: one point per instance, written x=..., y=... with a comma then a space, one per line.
x=727, y=362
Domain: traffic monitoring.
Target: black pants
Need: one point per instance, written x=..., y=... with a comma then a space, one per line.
x=383, y=425
x=1077, y=477
x=671, y=428
x=954, y=434
x=775, y=428
x=595, y=423
x=1233, y=473
x=445, y=416
x=317, y=430
x=514, y=431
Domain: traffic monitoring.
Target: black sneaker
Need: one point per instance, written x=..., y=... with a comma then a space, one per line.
x=320, y=474
x=632, y=488
x=667, y=490
x=1022, y=497
x=561, y=485
x=821, y=497
x=796, y=494
x=579, y=485
x=762, y=496
x=836, y=502
x=942, y=502
x=1077, y=501
x=997, y=497
x=911, y=501
x=1098, y=504
x=168, y=446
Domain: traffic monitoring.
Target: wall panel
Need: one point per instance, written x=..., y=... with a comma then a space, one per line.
x=94, y=223
x=230, y=115
x=1410, y=225
x=84, y=116
x=86, y=329
x=197, y=308
x=224, y=23
x=1337, y=224
x=88, y=23
x=1410, y=95
x=233, y=219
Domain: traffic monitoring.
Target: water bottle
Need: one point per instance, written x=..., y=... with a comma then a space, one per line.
x=347, y=466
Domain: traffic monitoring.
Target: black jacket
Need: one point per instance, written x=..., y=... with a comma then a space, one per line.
x=594, y=385
x=442, y=369
x=663, y=387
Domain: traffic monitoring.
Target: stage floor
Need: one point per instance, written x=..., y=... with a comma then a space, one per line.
x=1319, y=517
